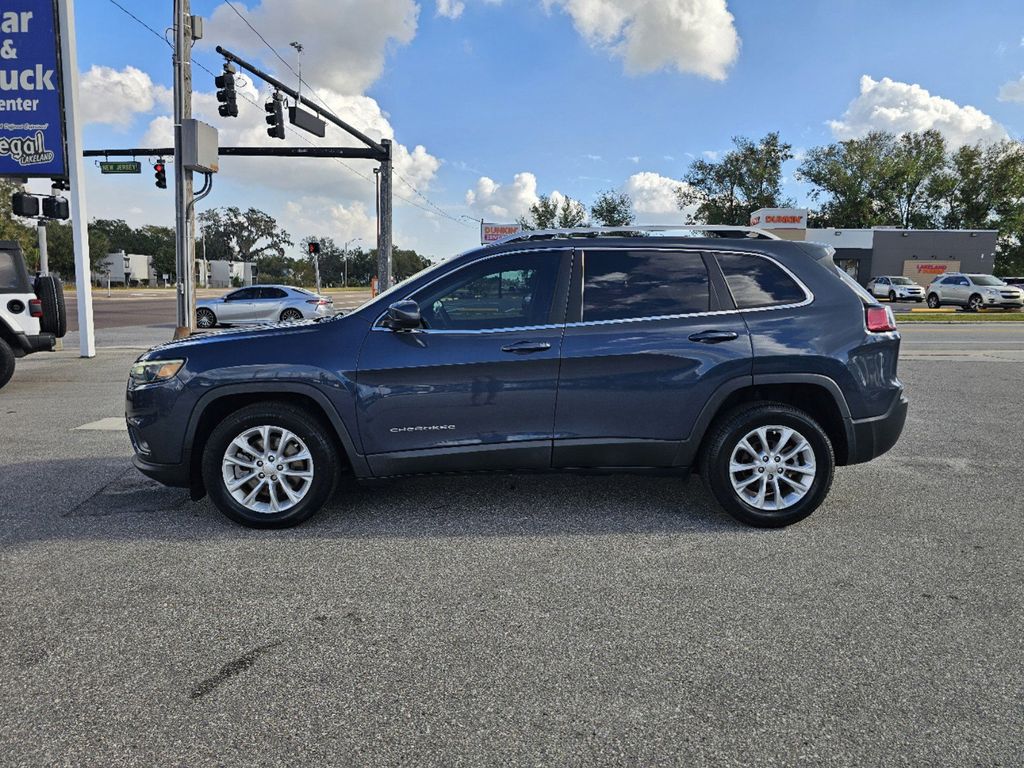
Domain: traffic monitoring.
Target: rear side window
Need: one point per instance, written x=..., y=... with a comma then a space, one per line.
x=620, y=285
x=272, y=293
x=11, y=276
x=758, y=282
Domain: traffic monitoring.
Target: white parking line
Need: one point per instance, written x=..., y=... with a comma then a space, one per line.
x=109, y=424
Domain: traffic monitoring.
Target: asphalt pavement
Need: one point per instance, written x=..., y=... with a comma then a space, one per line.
x=516, y=620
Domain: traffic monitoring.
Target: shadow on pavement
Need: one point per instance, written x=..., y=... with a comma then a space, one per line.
x=106, y=498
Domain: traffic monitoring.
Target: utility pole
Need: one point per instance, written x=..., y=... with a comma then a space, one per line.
x=184, y=216
x=44, y=258
x=384, y=220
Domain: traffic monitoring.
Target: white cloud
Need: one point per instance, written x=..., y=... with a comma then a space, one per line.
x=114, y=97
x=503, y=202
x=691, y=36
x=1012, y=91
x=655, y=198
x=450, y=9
x=325, y=216
x=889, y=105
x=345, y=41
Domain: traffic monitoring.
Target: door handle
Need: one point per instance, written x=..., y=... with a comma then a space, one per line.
x=525, y=347
x=713, y=337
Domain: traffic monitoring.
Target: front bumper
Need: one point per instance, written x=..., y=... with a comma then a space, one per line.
x=872, y=437
x=174, y=475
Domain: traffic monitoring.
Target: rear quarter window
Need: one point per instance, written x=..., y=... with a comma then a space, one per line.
x=755, y=281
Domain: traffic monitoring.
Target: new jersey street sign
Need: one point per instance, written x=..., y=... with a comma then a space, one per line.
x=124, y=166
x=31, y=114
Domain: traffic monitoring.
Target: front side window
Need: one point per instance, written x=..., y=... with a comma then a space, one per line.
x=758, y=282
x=629, y=284
x=504, y=292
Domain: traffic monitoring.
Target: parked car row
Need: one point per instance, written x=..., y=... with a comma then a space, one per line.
x=972, y=292
x=259, y=304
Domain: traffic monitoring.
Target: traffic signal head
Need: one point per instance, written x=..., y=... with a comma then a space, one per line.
x=159, y=173
x=226, y=93
x=24, y=204
x=56, y=208
x=275, y=117
x=314, y=248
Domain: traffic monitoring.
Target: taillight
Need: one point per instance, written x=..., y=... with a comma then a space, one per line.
x=35, y=307
x=317, y=301
x=879, y=319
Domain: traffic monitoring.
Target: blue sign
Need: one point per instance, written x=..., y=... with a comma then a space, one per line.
x=31, y=109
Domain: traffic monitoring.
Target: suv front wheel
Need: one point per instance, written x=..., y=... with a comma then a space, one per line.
x=270, y=465
x=768, y=464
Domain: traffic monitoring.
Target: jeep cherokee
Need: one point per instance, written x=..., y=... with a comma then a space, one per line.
x=752, y=360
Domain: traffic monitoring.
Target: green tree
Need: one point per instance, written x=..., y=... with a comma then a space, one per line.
x=550, y=213
x=747, y=177
x=916, y=159
x=612, y=209
x=231, y=233
x=15, y=228
x=60, y=250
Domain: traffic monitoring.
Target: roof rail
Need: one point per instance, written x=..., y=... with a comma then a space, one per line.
x=723, y=230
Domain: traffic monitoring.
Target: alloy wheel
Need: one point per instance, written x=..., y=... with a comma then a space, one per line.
x=267, y=469
x=772, y=467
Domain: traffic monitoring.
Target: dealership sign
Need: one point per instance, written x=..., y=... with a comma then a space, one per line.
x=31, y=112
x=489, y=233
x=925, y=271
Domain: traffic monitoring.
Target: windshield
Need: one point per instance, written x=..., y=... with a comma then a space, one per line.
x=902, y=281
x=985, y=280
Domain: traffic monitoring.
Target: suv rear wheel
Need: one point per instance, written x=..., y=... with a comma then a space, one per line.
x=270, y=465
x=6, y=362
x=768, y=464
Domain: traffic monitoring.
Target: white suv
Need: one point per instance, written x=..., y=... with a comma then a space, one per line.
x=32, y=317
x=895, y=288
x=973, y=292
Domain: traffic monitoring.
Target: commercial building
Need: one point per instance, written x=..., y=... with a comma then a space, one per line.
x=919, y=254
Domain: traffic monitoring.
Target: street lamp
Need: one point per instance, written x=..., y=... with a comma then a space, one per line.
x=345, y=253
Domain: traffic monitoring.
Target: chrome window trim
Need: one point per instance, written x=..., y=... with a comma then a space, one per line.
x=808, y=295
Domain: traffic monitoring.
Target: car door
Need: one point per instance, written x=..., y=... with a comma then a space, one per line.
x=269, y=304
x=959, y=289
x=649, y=342
x=475, y=387
x=237, y=306
x=880, y=287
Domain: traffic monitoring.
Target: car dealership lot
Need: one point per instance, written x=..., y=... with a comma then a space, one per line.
x=516, y=619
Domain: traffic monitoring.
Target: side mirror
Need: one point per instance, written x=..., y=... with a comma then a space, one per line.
x=403, y=316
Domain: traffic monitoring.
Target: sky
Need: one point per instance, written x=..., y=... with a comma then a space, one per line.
x=493, y=102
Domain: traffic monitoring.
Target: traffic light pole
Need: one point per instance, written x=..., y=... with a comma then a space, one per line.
x=384, y=237
x=184, y=217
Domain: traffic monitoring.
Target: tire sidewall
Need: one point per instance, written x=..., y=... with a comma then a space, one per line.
x=721, y=483
x=286, y=315
x=933, y=301
x=204, y=311
x=7, y=363
x=305, y=426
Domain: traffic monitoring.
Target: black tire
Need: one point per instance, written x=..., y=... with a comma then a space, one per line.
x=974, y=303
x=933, y=301
x=290, y=314
x=205, y=318
x=326, y=462
x=725, y=435
x=50, y=293
x=6, y=363
x=892, y=297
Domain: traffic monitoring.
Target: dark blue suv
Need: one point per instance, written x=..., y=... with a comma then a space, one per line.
x=752, y=360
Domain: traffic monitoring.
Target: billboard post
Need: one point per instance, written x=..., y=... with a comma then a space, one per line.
x=76, y=177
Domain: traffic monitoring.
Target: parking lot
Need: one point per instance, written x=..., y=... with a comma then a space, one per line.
x=526, y=619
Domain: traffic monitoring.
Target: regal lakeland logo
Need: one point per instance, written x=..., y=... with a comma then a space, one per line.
x=26, y=150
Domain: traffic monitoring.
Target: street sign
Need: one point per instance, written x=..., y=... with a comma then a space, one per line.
x=32, y=127
x=130, y=166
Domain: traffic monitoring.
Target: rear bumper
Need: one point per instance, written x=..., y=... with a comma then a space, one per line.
x=31, y=342
x=873, y=437
x=174, y=475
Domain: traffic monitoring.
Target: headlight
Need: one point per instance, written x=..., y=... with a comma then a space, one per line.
x=992, y=291
x=151, y=371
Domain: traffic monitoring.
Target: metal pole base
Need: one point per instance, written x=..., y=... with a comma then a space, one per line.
x=182, y=332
